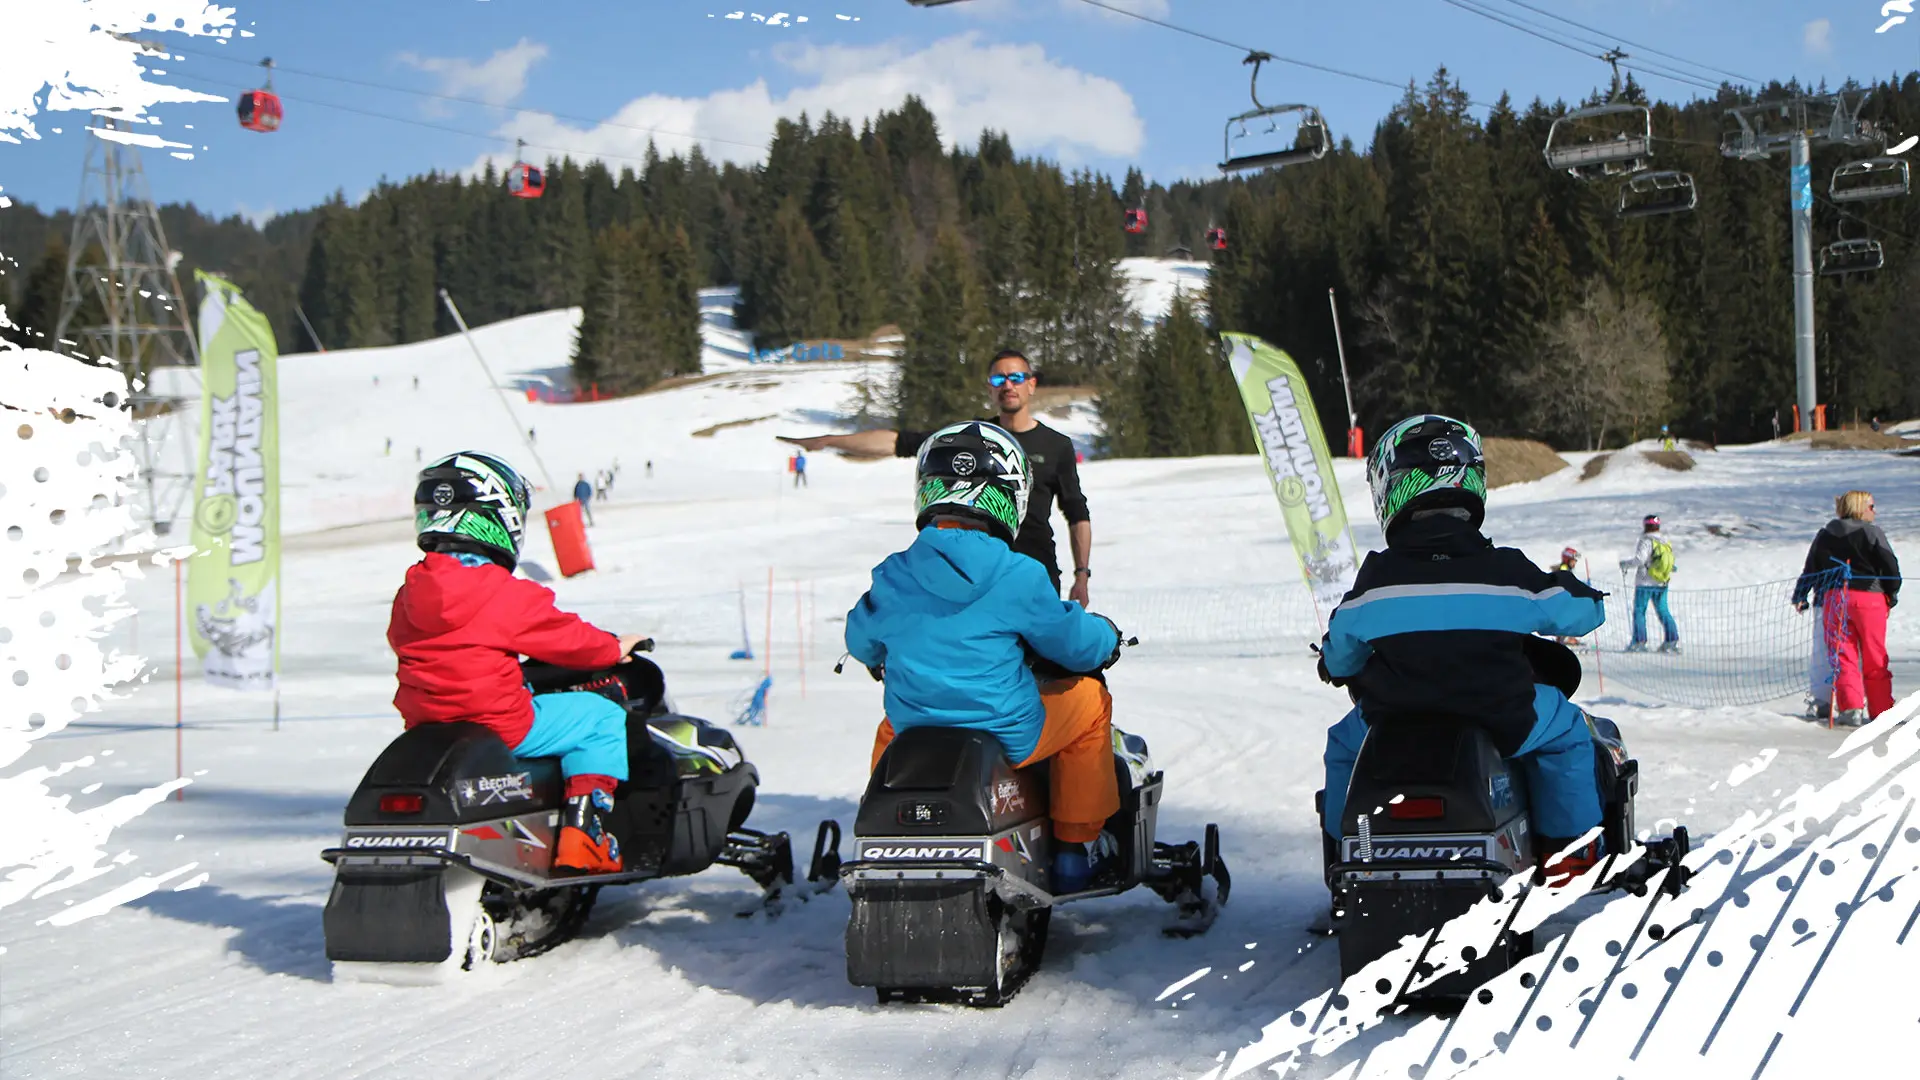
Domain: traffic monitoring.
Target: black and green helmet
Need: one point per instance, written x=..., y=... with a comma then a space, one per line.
x=472, y=502
x=975, y=471
x=1427, y=463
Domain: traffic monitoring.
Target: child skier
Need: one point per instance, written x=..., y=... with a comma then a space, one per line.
x=1652, y=567
x=1570, y=563
x=1438, y=623
x=461, y=623
x=947, y=621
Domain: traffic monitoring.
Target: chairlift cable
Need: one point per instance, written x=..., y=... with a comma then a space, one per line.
x=467, y=100
x=1247, y=49
x=1642, y=68
x=1643, y=48
x=584, y=155
x=1845, y=213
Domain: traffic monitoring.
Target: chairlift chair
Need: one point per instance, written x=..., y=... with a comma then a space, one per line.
x=523, y=180
x=1655, y=193
x=260, y=110
x=1852, y=257
x=1625, y=152
x=1873, y=178
x=1311, y=141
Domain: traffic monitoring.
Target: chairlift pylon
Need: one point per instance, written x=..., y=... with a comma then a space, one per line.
x=260, y=110
x=1312, y=130
x=1872, y=178
x=525, y=181
x=1654, y=193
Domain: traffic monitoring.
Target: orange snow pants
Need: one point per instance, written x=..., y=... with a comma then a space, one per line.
x=1078, y=736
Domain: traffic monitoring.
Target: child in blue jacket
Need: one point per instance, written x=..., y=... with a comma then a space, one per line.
x=950, y=619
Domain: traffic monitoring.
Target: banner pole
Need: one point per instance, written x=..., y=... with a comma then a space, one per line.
x=179, y=665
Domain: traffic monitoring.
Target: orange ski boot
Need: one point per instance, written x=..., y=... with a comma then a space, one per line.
x=586, y=845
x=1560, y=872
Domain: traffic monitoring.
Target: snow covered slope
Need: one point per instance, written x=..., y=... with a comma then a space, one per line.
x=1152, y=284
x=228, y=979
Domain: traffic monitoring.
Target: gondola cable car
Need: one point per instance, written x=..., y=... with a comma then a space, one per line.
x=1136, y=220
x=259, y=110
x=525, y=181
x=1217, y=238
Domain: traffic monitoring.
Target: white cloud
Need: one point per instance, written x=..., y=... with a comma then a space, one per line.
x=257, y=217
x=1042, y=104
x=497, y=80
x=1817, y=37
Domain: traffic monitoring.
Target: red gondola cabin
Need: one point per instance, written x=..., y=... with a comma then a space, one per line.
x=259, y=110
x=526, y=181
x=1217, y=239
x=1136, y=221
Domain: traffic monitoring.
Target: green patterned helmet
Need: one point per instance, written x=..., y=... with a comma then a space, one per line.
x=975, y=471
x=1427, y=463
x=472, y=502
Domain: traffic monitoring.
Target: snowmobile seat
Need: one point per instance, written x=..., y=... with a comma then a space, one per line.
x=1448, y=759
x=460, y=772
x=637, y=684
x=949, y=781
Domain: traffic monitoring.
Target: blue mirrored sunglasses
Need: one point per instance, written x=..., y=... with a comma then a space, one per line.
x=1016, y=378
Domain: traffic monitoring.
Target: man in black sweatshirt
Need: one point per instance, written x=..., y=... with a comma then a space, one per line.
x=1056, y=473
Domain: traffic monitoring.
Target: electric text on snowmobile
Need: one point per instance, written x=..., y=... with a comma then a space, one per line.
x=449, y=845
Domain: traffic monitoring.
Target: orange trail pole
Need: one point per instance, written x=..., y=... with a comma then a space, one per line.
x=800, y=638
x=179, y=667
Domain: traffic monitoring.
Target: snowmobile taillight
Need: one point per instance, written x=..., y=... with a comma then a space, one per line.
x=1420, y=809
x=402, y=804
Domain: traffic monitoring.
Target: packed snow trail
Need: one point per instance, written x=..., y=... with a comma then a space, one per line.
x=229, y=978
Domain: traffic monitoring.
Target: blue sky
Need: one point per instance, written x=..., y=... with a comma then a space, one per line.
x=1064, y=78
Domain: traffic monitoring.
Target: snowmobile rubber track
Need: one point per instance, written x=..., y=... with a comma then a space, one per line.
x=569, y=926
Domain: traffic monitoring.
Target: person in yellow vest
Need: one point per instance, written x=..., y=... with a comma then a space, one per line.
x=1653, y=565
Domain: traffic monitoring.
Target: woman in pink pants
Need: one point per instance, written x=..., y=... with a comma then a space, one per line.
x=1855, y=610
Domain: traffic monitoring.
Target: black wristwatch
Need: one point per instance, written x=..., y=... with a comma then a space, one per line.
x=1078, y=570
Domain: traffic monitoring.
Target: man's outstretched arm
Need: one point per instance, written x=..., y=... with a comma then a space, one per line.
x=860, y=444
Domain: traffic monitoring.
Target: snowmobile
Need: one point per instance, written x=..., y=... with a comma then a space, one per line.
x=447, y=857
x=953, y=850
x=1436, y=820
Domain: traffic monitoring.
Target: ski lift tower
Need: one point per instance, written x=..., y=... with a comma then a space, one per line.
x=1797, y=125
x=122, y=307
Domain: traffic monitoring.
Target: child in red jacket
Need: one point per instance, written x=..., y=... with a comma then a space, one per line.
x=460, y=625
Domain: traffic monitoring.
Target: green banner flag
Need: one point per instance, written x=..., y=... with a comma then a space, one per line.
x=233, y=587
x=1295, y=451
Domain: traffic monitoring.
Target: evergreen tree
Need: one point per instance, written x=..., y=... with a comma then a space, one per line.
x=944, y=358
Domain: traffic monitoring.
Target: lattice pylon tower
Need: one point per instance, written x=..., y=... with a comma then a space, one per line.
x=122, y=306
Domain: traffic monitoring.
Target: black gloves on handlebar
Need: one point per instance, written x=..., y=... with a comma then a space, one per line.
x=1119, y=641
x=1320, y=667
